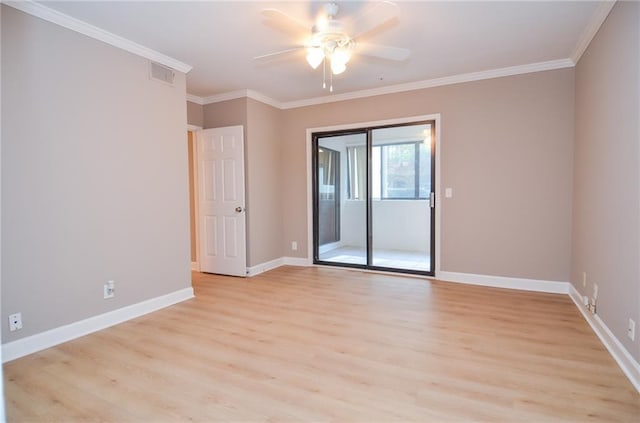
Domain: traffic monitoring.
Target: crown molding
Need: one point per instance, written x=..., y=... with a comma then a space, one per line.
x=195, y=99
x=233, y=95
x=264, y=99
x=598, y=18
x=390, y=89
x=43, y=12
x=437, y=82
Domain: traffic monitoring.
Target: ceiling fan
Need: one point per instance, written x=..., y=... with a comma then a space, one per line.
x=334, y=40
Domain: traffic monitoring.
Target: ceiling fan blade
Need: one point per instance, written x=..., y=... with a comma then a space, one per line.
x=280, y=20
x=277, y=54
x=383, y=52
x=381, y=13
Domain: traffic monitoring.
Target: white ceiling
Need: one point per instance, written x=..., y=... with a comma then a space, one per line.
x=219, y=39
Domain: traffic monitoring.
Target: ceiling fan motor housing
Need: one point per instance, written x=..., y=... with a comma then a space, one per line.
x=331, y=9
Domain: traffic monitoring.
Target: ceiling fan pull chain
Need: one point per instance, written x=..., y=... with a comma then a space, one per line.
x=324, y=73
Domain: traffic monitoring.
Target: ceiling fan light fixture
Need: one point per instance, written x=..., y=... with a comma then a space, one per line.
x=315, y=55
x=341, y=55
x=330, y=42
x=337, y=66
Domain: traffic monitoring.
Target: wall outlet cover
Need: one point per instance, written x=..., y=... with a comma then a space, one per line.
x=15, y=322
x=109, y=290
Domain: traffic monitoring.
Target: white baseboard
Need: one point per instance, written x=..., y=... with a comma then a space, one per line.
x=31, y=344
x=505, y=282
x=297, y=261
x=263, y=267
x=270, y=265
x=194, y=266
x=627, y=363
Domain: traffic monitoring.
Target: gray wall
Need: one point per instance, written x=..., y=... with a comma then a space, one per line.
x=226, y=113
x=195, y=114
x=94, y=177
x=606, y=214
x=506, y=150
x=507, y=147
x=264, y=199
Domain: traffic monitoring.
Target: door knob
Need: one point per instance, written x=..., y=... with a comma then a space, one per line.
x=239, y=209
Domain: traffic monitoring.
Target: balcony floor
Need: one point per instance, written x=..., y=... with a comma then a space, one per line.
x=396, y=259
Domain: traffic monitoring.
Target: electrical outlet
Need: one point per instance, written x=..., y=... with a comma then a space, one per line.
x=584, y=278
x=15, y=322
x=294, y=245
x=109, y=289
x=595, y=292
x=631, y=331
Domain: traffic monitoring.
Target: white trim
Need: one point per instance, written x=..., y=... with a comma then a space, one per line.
x=391, y=89
x=218, y=98
x=598, y=18
x=553, y=287
x=195, y=99
x=264, y=267
x=43, y=12
x=31, y=344
x=309, y=160
x=435, y=117
x=273, y=264
x=627, y=363
x=255, y=95
x=193, y=128
x=297, y=261
x=195, y=266
x=233, y=95
x=437, y=82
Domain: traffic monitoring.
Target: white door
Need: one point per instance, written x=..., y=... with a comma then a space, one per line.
x=221, y=203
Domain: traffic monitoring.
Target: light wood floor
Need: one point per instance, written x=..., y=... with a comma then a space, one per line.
x=318, y=344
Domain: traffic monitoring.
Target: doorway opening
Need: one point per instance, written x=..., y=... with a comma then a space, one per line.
x=193, y=230
x=374, y=197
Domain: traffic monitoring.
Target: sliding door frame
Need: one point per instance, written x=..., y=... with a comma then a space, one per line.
x=315, y=180
x=367, y=128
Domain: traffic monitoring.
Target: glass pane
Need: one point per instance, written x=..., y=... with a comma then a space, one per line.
x=425, y=169
x=399, y=170
x=401, y=218
x=376, y=174
x=342, y=191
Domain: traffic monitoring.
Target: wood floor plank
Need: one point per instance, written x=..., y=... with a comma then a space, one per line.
x=322, y=344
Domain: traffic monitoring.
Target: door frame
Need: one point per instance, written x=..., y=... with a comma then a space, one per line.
x=353, y=126
x=194, y=130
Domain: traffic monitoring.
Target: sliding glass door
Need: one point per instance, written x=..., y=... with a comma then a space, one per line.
x=383, y=202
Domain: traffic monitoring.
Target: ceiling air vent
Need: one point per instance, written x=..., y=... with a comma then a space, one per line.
x=162, y=73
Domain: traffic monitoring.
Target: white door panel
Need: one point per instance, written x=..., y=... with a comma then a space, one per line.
x=222, y=201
